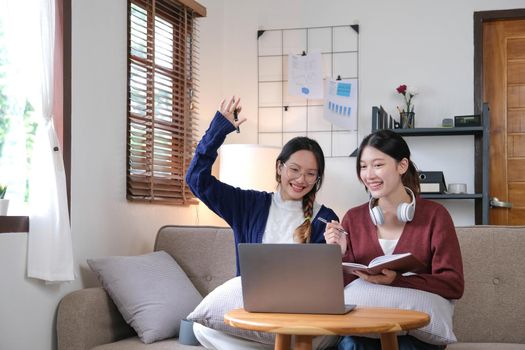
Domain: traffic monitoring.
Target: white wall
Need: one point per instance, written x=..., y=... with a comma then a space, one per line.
x=422, y=43
x=419, y=43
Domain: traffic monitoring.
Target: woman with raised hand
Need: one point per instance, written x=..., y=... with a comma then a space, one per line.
x=284, y=216
x=397, y=220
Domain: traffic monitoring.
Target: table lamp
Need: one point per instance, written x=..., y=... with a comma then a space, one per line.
x=249, y=166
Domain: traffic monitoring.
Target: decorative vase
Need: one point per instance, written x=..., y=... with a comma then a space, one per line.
x=408, y=120
x=4, y=204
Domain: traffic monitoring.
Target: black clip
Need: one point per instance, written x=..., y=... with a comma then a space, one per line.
x=303, y=54
x=236, y=118
x=338, y=77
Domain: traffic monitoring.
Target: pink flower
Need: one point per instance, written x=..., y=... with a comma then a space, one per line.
x=407, y=95
x=402, y=89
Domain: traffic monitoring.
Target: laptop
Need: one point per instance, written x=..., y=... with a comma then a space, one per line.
x=292, y=278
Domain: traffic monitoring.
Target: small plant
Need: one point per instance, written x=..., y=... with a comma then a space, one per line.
x=3, y=189
x=408, y=95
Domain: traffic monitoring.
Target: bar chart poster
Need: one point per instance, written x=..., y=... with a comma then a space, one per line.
x=340, y=106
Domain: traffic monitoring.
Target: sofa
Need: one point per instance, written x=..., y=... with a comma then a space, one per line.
x=491, y=314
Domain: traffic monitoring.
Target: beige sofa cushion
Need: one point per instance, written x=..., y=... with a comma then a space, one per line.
x=492, y=309
x=134, y=343
x=214, y=246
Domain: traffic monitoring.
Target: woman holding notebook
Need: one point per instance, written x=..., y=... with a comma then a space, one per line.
x=284, y=216
x=397, y=220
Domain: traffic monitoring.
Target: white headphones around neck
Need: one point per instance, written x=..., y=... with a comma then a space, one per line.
x=405, y=211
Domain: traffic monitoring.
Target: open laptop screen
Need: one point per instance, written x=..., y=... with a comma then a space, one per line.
x=292, y=278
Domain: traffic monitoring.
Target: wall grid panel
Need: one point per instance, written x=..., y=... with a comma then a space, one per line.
x=281, y=117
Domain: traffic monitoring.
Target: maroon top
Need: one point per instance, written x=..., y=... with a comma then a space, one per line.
x=430, y=237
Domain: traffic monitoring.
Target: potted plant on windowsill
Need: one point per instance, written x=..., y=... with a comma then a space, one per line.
x=4, y=203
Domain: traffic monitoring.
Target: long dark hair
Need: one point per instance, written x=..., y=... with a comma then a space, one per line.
x=391, y=143
x=303, y=232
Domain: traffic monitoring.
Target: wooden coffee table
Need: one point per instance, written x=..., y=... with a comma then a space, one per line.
x=304, y=327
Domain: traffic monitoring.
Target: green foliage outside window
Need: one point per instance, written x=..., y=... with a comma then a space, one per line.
x=30, y=123
x=4, y=122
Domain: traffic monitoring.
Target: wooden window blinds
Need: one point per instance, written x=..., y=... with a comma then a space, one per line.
x=162, y=99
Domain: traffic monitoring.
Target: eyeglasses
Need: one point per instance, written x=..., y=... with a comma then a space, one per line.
x=294, y=172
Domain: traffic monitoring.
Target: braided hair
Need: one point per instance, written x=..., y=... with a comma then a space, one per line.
x=303, y=232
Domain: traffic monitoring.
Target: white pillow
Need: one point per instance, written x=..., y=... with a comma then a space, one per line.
x=151, y=291
x=228, y=296
x=439, y=331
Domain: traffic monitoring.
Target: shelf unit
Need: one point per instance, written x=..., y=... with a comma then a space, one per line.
x=481, y=160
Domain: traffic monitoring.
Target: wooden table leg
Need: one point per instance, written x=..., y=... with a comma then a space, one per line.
x=389, y=341
x=303, y=342
x=282, y=342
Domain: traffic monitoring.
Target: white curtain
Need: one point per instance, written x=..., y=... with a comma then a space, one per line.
x=50, y=253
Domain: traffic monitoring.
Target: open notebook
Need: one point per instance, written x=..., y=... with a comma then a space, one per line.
x=404, y=262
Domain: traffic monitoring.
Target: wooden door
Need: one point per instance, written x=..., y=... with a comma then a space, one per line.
x=504, y=90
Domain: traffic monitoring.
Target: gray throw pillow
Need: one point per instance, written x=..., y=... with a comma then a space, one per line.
x=151, y=292
x=226, y=297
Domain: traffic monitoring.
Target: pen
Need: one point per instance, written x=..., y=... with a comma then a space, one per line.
x=337, y=228
x=236, y=118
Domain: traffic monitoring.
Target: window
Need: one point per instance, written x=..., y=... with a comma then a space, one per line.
x=162, y=102
x=21, y=97
x=19, y=102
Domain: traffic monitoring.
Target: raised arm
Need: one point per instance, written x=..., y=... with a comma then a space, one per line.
x=221, y=198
